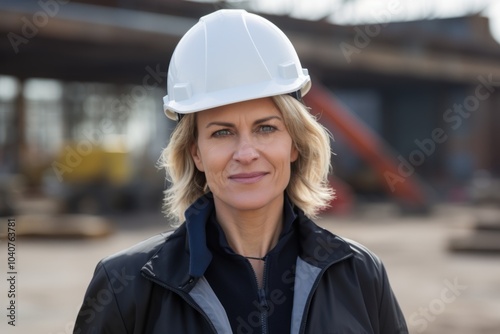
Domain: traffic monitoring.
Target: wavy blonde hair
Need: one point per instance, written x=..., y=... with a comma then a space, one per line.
x=308, y=187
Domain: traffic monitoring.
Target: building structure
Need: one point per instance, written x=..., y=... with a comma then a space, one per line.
x=430, y=89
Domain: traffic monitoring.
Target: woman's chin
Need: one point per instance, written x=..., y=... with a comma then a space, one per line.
x=248, y=201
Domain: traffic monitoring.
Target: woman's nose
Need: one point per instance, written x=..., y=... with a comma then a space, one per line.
x=245, y=151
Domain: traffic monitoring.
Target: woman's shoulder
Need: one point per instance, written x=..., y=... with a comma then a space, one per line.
x=139, y=254
x=366, y=262
x=143, y=248
x=361, y=252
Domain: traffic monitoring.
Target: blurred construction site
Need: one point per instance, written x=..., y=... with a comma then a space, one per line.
x=413, y=105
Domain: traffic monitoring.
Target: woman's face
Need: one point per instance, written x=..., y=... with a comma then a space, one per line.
x=245, y=151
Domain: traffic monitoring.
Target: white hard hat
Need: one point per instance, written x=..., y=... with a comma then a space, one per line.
x=231, y=56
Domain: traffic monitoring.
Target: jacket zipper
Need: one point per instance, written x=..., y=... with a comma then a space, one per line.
x=313, y=290
x=261, y=292
x=183, y=296
x=264, y=307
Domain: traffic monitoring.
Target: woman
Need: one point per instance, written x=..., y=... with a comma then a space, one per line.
x=248, y=167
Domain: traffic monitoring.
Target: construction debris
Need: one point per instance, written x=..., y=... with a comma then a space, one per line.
x=61, y=226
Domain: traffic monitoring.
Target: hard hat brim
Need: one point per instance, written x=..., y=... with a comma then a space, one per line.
x=234, y=95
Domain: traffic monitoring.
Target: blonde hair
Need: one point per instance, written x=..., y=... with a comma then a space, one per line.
x=308, y=187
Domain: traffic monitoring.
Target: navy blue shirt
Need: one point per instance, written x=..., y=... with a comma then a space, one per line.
x=231, y=276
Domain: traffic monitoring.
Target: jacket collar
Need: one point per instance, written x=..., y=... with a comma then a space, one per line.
x=185, y=256
x=197, y=216
x=320, y=247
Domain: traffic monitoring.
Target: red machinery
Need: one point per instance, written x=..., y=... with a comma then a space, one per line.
x=408, y=190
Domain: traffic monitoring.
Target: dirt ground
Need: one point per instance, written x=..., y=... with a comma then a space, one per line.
x=440, y=292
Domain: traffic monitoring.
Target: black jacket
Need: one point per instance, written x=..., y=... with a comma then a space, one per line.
x=158, y=286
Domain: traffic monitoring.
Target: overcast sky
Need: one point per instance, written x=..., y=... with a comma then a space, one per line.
x=369, y=11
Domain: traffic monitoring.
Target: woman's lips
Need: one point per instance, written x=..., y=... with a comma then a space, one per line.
x=247, y=177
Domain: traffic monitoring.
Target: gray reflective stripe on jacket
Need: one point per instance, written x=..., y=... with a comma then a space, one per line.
x=206, y=299
x=305, y=276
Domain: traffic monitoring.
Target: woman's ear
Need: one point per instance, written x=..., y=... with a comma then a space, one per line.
x=195, y=154
x=294, y=153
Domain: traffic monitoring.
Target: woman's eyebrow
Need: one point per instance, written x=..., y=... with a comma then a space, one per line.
x=231, y=125
x=224, y=124
x=265, y=119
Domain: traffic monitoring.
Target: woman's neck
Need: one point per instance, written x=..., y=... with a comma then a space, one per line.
x=251, y=233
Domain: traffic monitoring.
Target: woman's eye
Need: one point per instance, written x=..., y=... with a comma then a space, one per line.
x=221, y=133
x=267, y=128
